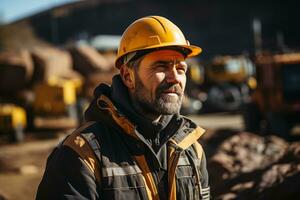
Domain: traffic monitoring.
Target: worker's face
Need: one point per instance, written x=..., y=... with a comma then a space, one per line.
x=160, y=82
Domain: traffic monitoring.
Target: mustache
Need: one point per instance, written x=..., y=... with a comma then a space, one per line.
x=170, y=86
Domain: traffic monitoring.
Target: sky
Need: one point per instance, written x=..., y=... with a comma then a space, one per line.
x=12, y=10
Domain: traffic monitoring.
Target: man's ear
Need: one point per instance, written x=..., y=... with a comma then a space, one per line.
x=127, y=76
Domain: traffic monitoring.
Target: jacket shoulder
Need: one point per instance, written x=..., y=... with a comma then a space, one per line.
x=83, y=141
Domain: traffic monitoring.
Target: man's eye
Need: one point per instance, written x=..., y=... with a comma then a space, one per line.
x=159, y=66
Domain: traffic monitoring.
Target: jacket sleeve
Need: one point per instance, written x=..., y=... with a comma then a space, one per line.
x=67, y=177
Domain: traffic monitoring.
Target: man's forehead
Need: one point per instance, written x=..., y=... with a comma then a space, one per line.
x=164, y=55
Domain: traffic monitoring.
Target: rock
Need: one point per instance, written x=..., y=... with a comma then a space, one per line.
x=212, y=139
x=277, y=174
x=228, y=196
x=247, y=166
x=281, y=180
x=292, y=154
x=242, y=186
x=245, y=152
x=240, y=159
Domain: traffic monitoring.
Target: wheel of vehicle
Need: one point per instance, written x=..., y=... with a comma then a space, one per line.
x=225, y=97
x=18, y=134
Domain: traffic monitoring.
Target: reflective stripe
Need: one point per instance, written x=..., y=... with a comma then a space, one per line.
x=183, y=161
x=91, y=138
x=205, y=193
x=120, y=171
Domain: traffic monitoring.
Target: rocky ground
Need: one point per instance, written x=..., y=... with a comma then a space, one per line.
x=241, y=165
x=247, y=166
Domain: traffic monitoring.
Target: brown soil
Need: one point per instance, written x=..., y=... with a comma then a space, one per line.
x=21, y=168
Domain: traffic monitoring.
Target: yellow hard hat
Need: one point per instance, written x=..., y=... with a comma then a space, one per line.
x=150, y=33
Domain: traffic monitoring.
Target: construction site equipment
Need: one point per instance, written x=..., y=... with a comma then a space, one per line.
x=274, y=105
x=13, y=121
x=228, y=81
x=56, y=103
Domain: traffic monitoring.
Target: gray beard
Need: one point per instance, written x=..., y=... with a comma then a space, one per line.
x=154, y=106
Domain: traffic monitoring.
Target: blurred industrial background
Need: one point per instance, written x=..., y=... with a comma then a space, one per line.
x=244, y=88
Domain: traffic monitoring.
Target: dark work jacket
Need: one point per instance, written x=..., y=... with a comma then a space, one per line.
x=118, y=154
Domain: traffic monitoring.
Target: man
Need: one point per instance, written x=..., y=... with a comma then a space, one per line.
x=135, y=144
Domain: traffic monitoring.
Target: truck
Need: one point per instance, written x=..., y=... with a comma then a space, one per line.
x=56, y=104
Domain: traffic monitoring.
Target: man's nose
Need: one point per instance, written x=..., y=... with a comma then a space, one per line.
x=172, y=75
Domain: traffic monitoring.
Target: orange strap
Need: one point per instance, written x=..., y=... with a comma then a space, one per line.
x=199, y=150
x=148, y=178
x=77, y=143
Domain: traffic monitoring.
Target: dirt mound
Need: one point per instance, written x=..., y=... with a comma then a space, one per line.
x=248, y=166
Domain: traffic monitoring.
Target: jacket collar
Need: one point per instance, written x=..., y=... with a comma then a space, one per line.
x=185, y=137
x=115, y=101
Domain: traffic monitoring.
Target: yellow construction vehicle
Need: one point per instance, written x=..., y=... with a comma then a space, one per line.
x=13, y=121
x=229, y=69
x=274, y=105
x=55, y=103
x=228, y=81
